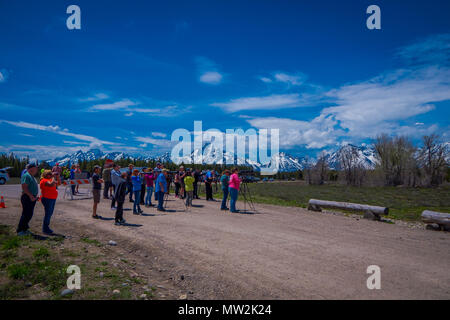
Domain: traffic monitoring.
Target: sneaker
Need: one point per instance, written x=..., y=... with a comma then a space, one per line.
x=136, y=213
x=161, y=209
x=117, y=223
x=48, y=232
x=96, y=217
x=141, y=211
x=24, y=233
x=113, y=208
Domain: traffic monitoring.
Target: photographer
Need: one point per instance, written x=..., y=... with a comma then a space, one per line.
x=49, y=182
x=208, y=185
x=234, y=189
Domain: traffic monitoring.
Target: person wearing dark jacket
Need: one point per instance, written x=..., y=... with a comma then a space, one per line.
x=119, y=196
x=129, y=183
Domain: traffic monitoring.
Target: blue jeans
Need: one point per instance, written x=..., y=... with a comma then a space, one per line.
x=160, y=200
x=233, y=198
x=137, y=196
x=49, y=207
x=224, y=199
x=148, y=197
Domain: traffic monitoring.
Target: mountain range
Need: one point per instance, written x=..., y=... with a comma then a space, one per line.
x=286, y=162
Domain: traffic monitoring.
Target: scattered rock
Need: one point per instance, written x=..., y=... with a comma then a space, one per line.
x=183, y=297
x=143, y=296
x=160, y=287
x=124, y=284
x=28, y=284
x=116, y=291
x=182, y=277
x=191, y=292
x=112, y=243
x=101, y=274
x=66, y=292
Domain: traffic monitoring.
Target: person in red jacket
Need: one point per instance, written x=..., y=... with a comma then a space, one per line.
x=49, y=194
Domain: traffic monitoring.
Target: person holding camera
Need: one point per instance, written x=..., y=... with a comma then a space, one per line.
x=208, y=185
x=233, y=188
x=49, y=182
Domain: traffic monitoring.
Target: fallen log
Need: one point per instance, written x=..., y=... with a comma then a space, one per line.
x=440, y=218
x=376, y=211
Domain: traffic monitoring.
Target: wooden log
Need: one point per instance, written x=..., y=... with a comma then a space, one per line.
x=440, y=218
x=314, y=203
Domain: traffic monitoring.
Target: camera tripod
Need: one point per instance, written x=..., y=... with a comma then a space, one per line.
x=244, y=190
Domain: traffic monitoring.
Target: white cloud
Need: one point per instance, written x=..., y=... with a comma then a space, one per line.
x=158, y=142
x=265, y=79
x=95, y=97
x=57, y=130
x=290, y=79
x=317, y=133
x=211, y=77
x=3, y=75
x=273, y=102
x=208, y=71
x=119, y=105
x=159, y=134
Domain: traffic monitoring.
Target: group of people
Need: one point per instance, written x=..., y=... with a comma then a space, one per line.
x=137, y=184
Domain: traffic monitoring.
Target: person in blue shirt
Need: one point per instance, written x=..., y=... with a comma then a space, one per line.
x=72, y=177
x=208, y=185
x=224, y=180
x=136, y=181
x=161, y=188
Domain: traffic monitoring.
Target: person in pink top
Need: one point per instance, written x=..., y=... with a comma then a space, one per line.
x=233, y=187
x=149, y=181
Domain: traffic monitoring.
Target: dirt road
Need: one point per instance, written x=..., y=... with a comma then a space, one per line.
x=280, y=252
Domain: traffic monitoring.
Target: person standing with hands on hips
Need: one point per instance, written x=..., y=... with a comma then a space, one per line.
x=28, y=199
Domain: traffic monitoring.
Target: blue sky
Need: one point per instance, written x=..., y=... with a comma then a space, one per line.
x=137, y=70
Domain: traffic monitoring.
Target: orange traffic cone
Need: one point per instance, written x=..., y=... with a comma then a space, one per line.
x=2, y=203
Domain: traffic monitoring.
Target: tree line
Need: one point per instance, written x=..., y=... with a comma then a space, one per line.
x=398, y=163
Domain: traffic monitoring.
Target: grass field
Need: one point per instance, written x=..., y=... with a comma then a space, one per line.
x=36, y=269
x=403, y=203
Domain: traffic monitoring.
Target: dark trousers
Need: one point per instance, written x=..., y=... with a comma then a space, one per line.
x=113, y=201
x=108, y=184
x=73, y=188
x=195, y=190
x=177, y=188
x=27, y=213
x=160, y=199
x=224, y=199
x=208, y=188
x=119, y=211
x=143, y=188
x=130, y=190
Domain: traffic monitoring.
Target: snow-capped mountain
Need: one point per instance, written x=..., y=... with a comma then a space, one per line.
x=286, y=162
x=209, y=154
x=365, y=156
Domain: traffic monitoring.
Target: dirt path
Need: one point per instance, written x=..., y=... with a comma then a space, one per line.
x=280, y=253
